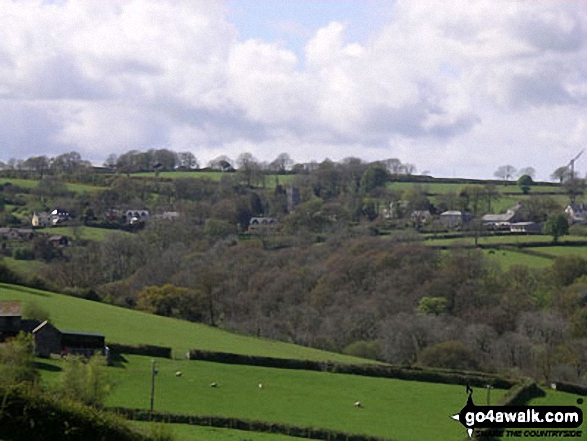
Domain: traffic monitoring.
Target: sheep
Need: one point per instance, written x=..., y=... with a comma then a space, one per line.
x=260, y=385
x=358, y=404
x=213, y=384
x=178, y=374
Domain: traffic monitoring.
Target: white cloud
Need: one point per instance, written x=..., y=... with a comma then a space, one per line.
x=464, y=86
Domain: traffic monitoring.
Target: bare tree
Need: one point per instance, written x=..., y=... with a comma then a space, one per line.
x=505, y=172
x=527, y=171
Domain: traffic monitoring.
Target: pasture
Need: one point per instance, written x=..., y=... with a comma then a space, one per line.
x=504, y=240
x=34, y=183
x=402, y=410
x=508, y=258
x=271, y=180
x=121, y=325
x=185, y=432
x=82, y=232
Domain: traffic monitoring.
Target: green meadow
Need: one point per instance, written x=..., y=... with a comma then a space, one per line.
x=271, y=180
x=505, y=240
x=185, y=432
x=82, y=232
x=121, y=325
x=34, y=183
x=508, y=258
x=397, y=409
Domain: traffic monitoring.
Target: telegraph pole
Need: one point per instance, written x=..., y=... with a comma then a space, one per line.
x=153, y=373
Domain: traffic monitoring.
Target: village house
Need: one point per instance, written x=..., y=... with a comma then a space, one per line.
x=56, y=217
x=259, y=224
x=577, y=213
x=420, y=217
x=135, y=216
x=58, y=240
x=455, y=219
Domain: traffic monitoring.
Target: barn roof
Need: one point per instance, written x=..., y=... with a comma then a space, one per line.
x=10, y=309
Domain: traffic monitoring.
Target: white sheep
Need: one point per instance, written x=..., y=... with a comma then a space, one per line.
x=213, y=384
x=358, y=404
x=260, y=385
x=178, y=374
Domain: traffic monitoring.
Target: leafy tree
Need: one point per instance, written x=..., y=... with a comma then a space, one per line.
x=432, y=305
x=375, y=176
x=525, y=182
x=17, y=361
x=566, y=269
x=84, y=380
x=556, y=226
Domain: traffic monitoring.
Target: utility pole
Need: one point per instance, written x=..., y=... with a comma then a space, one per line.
x=153, y=373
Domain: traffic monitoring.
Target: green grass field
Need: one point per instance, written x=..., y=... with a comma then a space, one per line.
x=185, y=432
x=562, y=251
x=34, y=183
x=270, y=180
x=504, y=240
x=442, y=188
x=508, y=258
x=29, y=267
x=127, y=326
x=82, y=232
x=403, y=410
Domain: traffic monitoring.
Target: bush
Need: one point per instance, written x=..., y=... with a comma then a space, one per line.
x=84, y=380
x=364, y=349
x=17, y=361
x=450, y=354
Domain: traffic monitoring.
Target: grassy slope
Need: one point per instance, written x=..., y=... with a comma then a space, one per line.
x=508, y=258
x=34, y=183
x=404, y=410
x=184, y=432
x=505, y=240
x=122, y=325
x=83, y=232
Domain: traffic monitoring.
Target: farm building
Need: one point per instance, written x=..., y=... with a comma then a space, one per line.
x=48, y=339
x=503, y=221
x=526, y=227
x=453, y=219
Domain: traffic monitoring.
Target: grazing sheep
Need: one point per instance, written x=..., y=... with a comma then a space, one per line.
x=178, y=374
x=260, y=385
x=213, y=384
x=358, y=405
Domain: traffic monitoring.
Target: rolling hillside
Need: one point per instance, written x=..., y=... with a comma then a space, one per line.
x=127, y=326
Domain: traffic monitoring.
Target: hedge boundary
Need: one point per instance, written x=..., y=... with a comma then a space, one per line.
x=149, y=350
x=367, y=370
x=242, y=424
x=27, y=414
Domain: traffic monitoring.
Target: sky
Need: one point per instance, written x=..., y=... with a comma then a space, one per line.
x=457, y=87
